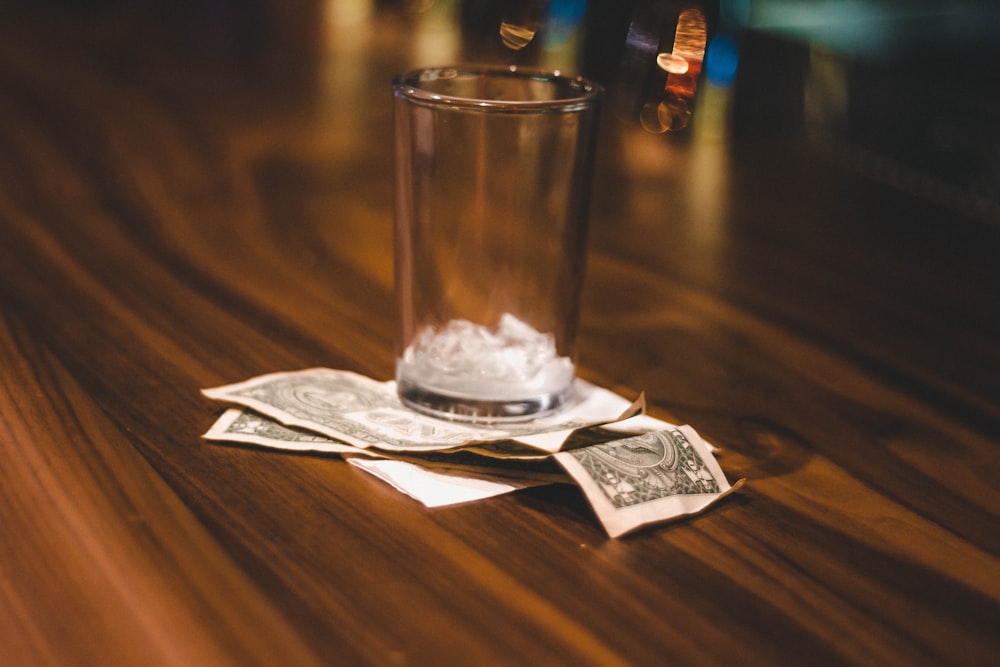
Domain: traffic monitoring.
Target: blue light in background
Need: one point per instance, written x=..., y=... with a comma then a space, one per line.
x=565, y=17
x=721, y=60
x=567, y=11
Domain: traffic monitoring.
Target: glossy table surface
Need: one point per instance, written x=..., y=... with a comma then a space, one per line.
x=190, y=196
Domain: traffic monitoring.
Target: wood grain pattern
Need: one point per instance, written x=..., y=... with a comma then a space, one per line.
x=190, y=198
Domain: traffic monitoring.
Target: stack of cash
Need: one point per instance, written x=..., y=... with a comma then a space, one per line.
x=634, y=470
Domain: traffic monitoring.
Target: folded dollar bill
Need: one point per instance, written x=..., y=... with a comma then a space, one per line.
x=245, y=426
x=249, y=427
x=647, y=479
x=365, y=413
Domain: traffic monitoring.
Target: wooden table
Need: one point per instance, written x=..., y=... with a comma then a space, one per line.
x=196, y=193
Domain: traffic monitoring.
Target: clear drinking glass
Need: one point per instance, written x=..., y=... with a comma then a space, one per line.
x=493, y=175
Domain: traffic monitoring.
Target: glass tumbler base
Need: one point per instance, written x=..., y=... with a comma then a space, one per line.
x=479, y=410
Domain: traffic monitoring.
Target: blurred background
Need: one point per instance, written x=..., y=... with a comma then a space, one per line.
x=904, y=92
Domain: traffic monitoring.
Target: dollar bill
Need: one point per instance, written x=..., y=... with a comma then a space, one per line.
x=647, y=479
x=248, y=427
x=365, y=413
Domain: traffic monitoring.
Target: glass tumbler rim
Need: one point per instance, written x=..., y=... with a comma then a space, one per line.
x=413, y=85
